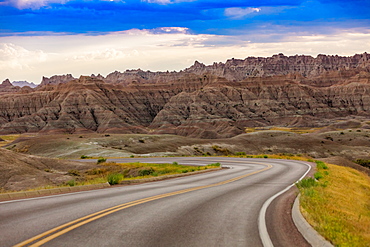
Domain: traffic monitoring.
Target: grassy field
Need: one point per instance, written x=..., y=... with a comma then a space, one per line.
x=287, y=129
x=8, y=139
x=337, y=204
x=114, y=173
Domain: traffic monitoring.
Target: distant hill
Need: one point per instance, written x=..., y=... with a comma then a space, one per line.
x=23, y=84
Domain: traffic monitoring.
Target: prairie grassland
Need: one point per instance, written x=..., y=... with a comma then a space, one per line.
x=338, y=205
x=129, y=171
x=287, y=129
x=8, y=139
x=285, y=156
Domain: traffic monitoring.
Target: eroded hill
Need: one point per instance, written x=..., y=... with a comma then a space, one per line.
x=216, y=101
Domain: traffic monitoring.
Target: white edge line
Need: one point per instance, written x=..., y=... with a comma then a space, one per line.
x=262, y=228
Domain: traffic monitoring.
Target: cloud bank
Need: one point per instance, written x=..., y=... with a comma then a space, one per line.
x=29, y=59
x=47, y=37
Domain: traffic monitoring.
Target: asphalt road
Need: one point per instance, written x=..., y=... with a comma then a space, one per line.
x=219, y=208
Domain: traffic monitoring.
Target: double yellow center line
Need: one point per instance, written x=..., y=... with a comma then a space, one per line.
x=60, y=230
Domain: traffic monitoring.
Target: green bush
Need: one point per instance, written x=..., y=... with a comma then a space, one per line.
x=114, y=178
x=175, y=163
x=84, y=157
x=146, y=172
x=214, y=164
x=240, y=153
x=71, y=183
x=101, y=160
x=318, y=175
x=306, y=183
x=321, y=165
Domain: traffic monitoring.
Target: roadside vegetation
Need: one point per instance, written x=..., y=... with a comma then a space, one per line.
x=114, y=173
x=336, y=203
x=363, y=162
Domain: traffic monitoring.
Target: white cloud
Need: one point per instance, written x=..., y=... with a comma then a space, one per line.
x=158, y=1
x=238, y=13
x=166, y=1
x=32, y=4
x=105, y=54
x=17, y=58
x=170, y=30
x=31, y=57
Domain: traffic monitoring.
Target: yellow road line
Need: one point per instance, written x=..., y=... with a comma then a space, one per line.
x=86, y=219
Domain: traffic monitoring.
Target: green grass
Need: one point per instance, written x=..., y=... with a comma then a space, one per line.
x=114, y=178
x=114, y=173
x=145, y=170
x=337, y=204
x=101, y=160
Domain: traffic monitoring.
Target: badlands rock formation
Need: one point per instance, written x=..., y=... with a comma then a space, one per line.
x=24, y=84
x=202, y=101
x=252, y=67
x=56, y=79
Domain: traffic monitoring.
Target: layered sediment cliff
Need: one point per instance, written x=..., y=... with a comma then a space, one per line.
x=201, y=101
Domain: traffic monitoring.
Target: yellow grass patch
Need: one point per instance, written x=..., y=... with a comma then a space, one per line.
x=287, y=129
x=338, y=207
x=8, y=139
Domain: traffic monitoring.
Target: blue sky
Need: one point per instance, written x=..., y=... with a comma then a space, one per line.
x=47, y=37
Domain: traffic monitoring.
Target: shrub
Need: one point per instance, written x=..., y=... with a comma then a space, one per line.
x=95, y=171
x=73, y=173
x=240, y=153
x=146, y=172
x=306, y=183
x=219, y=149
x=213, y=165
x=321, y=165
x=101, y=160
x=363, y=162
x=71, y=183
x=175, y=163
x=329, y=138
x=84, y=157
x=114, y=178
x=318, y=175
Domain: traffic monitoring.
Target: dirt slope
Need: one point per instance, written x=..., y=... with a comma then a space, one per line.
x=21, y=171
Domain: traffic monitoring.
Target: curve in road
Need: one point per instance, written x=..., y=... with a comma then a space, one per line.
x=218, y=209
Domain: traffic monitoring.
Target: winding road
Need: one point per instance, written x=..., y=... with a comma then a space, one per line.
x=222, y=208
